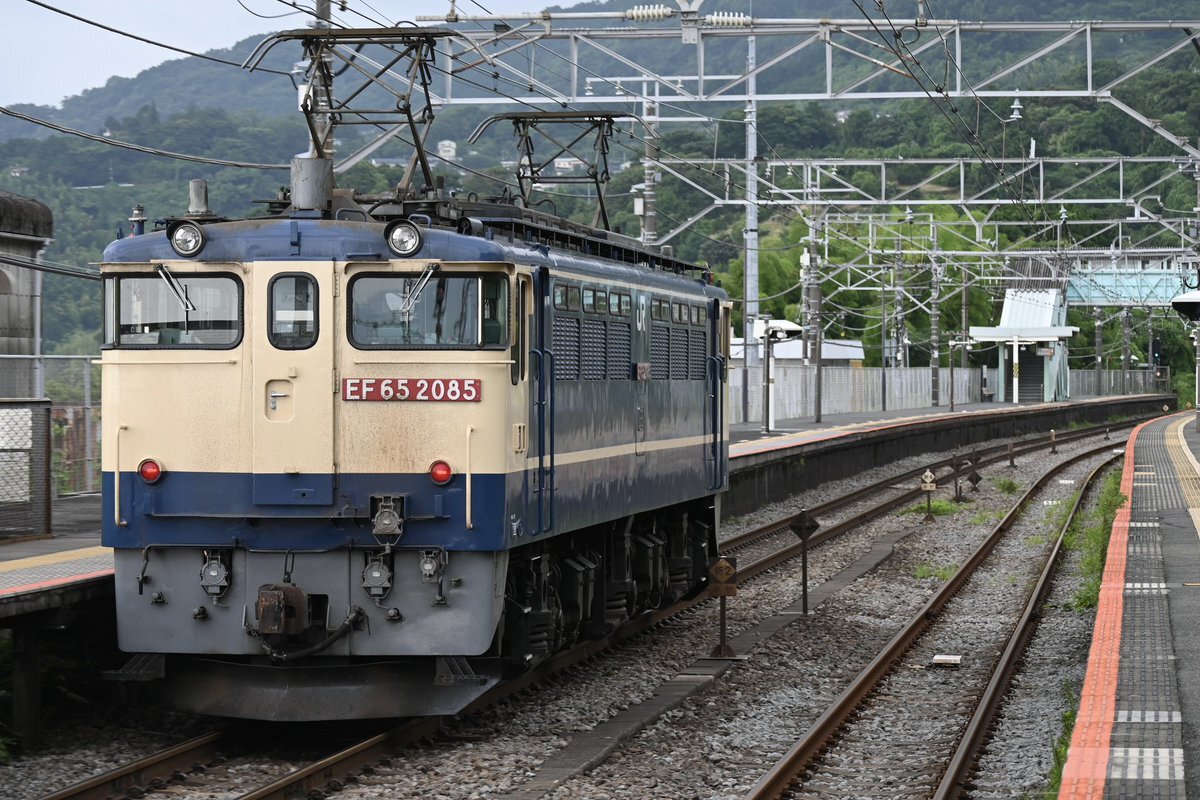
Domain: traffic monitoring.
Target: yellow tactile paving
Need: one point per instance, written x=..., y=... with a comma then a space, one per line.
x=55, y=558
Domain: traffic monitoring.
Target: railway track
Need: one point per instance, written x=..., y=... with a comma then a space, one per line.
x=330, y=773
x=867, y=725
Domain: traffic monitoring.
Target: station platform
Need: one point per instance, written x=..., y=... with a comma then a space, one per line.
x=1135, y=732
x=72, y=553
x=43, y=576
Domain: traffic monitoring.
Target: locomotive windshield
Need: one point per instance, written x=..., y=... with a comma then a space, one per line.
x=414, y=310
x=184, y=311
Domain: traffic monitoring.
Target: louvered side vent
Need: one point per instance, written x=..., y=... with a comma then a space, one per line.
x=566, y=348
x=660, y=352
x=620, y=354
x=679, y=353
x=697, y=349
x=594, y=361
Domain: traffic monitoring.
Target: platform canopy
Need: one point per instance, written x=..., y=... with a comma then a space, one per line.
x=1028, y=316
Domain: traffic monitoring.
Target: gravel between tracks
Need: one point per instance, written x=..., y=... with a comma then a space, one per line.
x=715, y=745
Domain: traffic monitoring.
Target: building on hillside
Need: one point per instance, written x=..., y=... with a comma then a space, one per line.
x=26, y=227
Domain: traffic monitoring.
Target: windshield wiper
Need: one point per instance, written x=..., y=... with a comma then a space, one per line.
x=410, y=299
x=176, y=289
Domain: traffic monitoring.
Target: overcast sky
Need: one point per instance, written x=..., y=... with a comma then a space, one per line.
x=47, y=56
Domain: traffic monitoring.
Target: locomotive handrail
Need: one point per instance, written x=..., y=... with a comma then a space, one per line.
x=550, y=412
x=508, y=362
x=470, y=522
x=538, y=363
x=117, y=480
x=713, y=381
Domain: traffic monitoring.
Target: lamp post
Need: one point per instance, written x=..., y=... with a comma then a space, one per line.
x=965, y=344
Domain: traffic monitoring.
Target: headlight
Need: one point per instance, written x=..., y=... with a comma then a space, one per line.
x=187, y=239
x=404, y=238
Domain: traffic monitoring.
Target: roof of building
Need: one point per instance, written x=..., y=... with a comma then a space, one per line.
x=25, y=216
x=1028, y=315
x=831, y=349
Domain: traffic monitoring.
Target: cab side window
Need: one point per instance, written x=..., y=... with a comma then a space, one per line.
x=293, y=312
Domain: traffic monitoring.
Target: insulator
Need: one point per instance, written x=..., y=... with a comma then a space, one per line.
x=649, y=13
x=727, y=19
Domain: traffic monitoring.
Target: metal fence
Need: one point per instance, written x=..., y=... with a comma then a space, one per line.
x=847, y=390
x=25, y=488
x=1107, y=382
x=853, y=389
x=72, y=388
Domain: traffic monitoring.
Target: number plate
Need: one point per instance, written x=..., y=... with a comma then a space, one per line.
x=454, y=390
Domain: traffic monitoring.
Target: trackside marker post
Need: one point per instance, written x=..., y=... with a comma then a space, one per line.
x=929, y=486
x=722, y=574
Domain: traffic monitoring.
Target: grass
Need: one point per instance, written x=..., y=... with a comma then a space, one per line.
x=986, y=517
x=1090, y=535
x=1008, y=486
x=939, y=508
x=1062, y=745
x=1038, y=540
x=927, y=570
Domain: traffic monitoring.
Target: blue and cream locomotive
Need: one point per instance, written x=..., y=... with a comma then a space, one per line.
x=361, y=459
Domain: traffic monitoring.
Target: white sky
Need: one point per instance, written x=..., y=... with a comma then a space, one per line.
x=47, y=57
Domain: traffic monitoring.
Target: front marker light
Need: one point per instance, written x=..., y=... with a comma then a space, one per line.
x=187, y=239
x=403, y=237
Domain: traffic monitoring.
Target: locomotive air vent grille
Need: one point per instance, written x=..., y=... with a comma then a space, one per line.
x=679, y=353
x=566, y=348
x=593, y=350
x=660, y=352
x=697, y=350
x=619, y=352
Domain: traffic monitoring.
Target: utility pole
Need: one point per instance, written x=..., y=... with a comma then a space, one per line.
x=883, y=336
x=966, y=319
x=935, y=323
x=819, y=333
x=1125, y=350
x=1099, y=314
x=751, y=272
x=650, y=175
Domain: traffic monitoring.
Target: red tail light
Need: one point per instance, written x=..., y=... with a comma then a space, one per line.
x=440, y=473
x=150, y=470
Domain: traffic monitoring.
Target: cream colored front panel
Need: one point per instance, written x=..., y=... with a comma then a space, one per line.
x=406, y=436
x=178, y=407
x=291, y=396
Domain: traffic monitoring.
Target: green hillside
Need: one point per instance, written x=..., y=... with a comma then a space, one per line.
x=211, y=110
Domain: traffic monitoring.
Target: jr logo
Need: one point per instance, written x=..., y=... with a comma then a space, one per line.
x=641, y=314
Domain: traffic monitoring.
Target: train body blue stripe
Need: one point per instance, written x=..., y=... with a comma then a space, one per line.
x=204, y=509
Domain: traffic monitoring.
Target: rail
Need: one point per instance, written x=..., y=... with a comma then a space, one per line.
x=779, y=778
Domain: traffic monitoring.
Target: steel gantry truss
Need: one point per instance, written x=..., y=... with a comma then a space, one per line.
x=590, y=58
x=671, y=64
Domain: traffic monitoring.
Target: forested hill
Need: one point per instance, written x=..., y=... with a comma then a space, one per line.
x=183, y=83
x=201, y=108
x=172, y=87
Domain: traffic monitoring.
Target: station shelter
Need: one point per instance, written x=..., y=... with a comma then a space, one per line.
x=1031, y=343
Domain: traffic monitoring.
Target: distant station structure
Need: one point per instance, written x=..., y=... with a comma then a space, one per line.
x=26, y=228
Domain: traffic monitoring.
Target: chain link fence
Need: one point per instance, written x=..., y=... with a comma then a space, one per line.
x=72, y=388
x=25, y=488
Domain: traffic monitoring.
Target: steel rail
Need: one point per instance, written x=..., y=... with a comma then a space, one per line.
x=153, y=770
x=329, y=773
x=987, y=456
x=976, y=735
x=776, y=782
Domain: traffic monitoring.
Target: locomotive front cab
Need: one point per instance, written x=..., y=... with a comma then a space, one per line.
x=332, y=444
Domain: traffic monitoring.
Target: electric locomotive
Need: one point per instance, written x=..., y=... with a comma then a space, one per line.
x=362, y=458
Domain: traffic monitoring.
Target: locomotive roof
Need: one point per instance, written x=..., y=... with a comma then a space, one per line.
x=500, y=241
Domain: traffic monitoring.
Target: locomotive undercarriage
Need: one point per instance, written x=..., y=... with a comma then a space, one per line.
x=587, y=584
